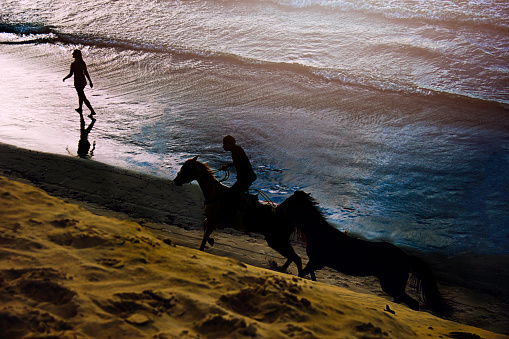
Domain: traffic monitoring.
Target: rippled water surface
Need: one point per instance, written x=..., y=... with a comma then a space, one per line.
x=393, y=114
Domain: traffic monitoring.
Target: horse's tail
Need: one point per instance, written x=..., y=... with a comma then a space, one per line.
x=427, y=287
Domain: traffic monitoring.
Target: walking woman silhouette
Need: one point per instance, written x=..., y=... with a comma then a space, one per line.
x=79, y=69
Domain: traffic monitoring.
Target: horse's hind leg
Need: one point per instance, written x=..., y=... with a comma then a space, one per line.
x=313, y=277
x=285, y=249
x=411, y=302
x=206, y=235
x=395, y=287
x=403, y=297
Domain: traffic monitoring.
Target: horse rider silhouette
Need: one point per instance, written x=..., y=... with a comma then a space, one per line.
x=245, y=174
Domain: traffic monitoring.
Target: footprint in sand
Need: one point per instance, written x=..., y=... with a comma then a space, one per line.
x=43, y=287
x=223, y=325
x=13, y=241
x=78, y=241
x=369, y=330
x=111, y=262
x=63, y=223
x=135, y=307
x=45, y=291
x=269, y=300
x=25, y=324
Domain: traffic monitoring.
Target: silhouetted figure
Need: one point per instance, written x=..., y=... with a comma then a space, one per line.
x=326, y=246
x=257, y=217
x=79, y=69
x=84, y=144
x=245, y=174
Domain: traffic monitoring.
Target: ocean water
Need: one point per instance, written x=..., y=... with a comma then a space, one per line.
x=393, y=114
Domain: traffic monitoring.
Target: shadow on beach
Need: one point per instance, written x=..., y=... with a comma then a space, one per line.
x=84, y=150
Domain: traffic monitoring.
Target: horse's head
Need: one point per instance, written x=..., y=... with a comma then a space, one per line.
x=188, y=172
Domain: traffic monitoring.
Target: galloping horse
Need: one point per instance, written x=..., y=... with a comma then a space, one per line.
x=255, y=217
x=327, y=246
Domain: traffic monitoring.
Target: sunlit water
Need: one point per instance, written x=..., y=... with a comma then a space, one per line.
x=393, y=114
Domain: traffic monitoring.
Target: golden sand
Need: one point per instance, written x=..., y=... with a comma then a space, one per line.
x=66, y=272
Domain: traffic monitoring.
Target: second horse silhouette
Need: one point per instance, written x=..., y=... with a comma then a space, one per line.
x=251, y=216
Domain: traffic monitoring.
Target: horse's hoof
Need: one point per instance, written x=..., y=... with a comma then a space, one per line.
x=211, y=241
x=388, y=309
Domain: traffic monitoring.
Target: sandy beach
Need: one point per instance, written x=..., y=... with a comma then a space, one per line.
x=92, y=251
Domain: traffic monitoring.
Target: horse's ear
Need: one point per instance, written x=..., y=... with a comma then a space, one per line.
x=196, y=158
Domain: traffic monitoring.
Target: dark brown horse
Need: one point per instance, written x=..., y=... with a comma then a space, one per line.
x=327, y=246
x=252, y=217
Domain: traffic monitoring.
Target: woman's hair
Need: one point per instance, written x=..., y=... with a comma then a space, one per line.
x=77, y=54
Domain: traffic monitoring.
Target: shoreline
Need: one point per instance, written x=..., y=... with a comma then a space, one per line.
x=476, y=284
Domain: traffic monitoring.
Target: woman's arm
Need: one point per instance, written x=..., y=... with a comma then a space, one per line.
x=69, y=75
x=85, y=71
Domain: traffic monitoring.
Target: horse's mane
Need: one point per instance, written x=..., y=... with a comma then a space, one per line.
x=312, y=202
x=309, y=199
x=205, y=166
x=312, y=213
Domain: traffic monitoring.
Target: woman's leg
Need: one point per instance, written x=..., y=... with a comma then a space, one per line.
x=83, y=99
x=80, y=99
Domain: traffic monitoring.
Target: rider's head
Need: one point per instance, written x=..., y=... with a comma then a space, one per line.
x=228, y=142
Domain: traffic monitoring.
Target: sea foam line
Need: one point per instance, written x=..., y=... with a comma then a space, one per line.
x=26, y=33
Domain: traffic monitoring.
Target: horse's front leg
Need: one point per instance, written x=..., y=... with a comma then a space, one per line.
x=208, y=228
x=297, y=260
x=310, y=268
